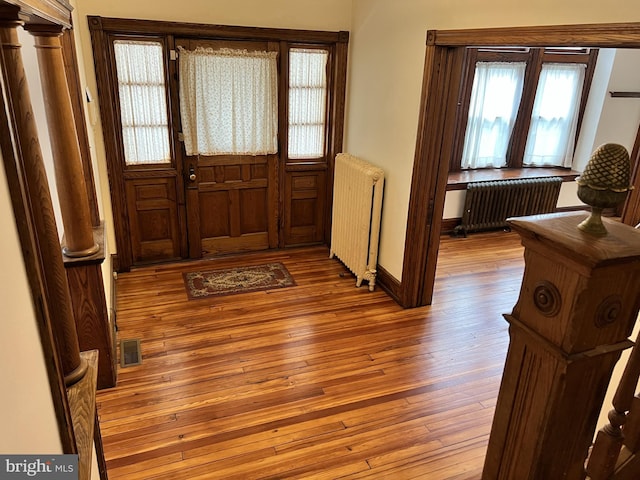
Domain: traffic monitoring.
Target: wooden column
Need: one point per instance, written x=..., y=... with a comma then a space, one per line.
x=577, y=306
x=72, y=191
x=37, y=191
x=95, y=331
x=83, y=243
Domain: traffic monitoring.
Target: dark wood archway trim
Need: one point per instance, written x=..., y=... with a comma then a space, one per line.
x=631, y=211
x=435, y=140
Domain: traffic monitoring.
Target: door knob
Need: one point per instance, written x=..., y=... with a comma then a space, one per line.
x=192, y=173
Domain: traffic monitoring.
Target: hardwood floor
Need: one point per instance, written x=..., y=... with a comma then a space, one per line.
x=322, y=380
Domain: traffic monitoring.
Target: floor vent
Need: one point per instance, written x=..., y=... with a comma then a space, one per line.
x=130, y=353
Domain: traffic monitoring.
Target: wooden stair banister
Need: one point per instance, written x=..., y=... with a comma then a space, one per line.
x=610, y=439
x=576, y=309
x=632, y=426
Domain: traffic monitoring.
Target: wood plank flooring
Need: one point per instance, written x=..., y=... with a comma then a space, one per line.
x=322, y=380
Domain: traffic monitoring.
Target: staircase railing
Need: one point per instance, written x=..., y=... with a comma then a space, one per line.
x=614, y=452
x=578, y=303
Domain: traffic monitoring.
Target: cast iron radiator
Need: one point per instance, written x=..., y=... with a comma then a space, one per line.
x=357, y=210
x=488, y=204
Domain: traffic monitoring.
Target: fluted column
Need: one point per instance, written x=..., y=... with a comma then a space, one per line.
x=37, y=190
x=72, y=192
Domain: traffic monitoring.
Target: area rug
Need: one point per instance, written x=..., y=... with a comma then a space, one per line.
x=237, y=280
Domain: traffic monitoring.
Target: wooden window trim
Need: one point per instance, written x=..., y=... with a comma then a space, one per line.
x=111, y=38
x=460, y=179
x=535, y=58
x=330, y=101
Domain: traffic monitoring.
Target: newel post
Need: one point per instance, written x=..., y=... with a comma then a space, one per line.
x=577, y=306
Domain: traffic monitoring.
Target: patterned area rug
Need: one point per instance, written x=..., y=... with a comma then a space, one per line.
x=237, y=280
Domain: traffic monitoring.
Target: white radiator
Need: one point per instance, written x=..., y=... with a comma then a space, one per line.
x=357, y=208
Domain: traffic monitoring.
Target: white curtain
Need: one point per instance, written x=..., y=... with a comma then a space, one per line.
x=228, y=101
x=554, y=119
x=143, y=101
x=307, y=102
x=495, y=97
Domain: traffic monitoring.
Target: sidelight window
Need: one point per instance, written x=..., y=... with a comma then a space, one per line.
x=143, y=104
x=307, y=102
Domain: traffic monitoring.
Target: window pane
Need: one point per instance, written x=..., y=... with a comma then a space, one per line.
x=143, y=105
x=554, y=119
x=307, y=102
x=229, y=101
x=495, y=97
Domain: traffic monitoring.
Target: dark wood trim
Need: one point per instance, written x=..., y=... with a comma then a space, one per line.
x=37, y=11
x=428, y=189
x=631, y=209
x=230, y=32
x=443, y=70
x=110, y=128
x=388, y=283
x=518, y=140
x=462, y=108
x=449, y=225
x=86, y=287
x=283, y=144
x=614, y=35
x=460, y=180
x=338, y=96
x=77, y=102
x=624, y=94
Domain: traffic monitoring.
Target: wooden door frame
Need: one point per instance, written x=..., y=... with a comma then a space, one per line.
x=631, y=210
x=434, y=144
x=102, y=27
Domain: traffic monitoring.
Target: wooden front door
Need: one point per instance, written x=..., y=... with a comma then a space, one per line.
x=232, y=204
x=168, y=205
x=231, y=200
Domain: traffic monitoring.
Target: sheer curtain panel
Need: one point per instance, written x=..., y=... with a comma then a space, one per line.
x=554, y=119
x=143, y=101
x=228, y=101
x=495, y=97
x=307, y=102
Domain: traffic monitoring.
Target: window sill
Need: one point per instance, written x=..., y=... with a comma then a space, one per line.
x=459, y=180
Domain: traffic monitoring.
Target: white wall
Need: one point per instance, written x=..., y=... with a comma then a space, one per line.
x=386, y=62
x=625, y=77
x=27, y=416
